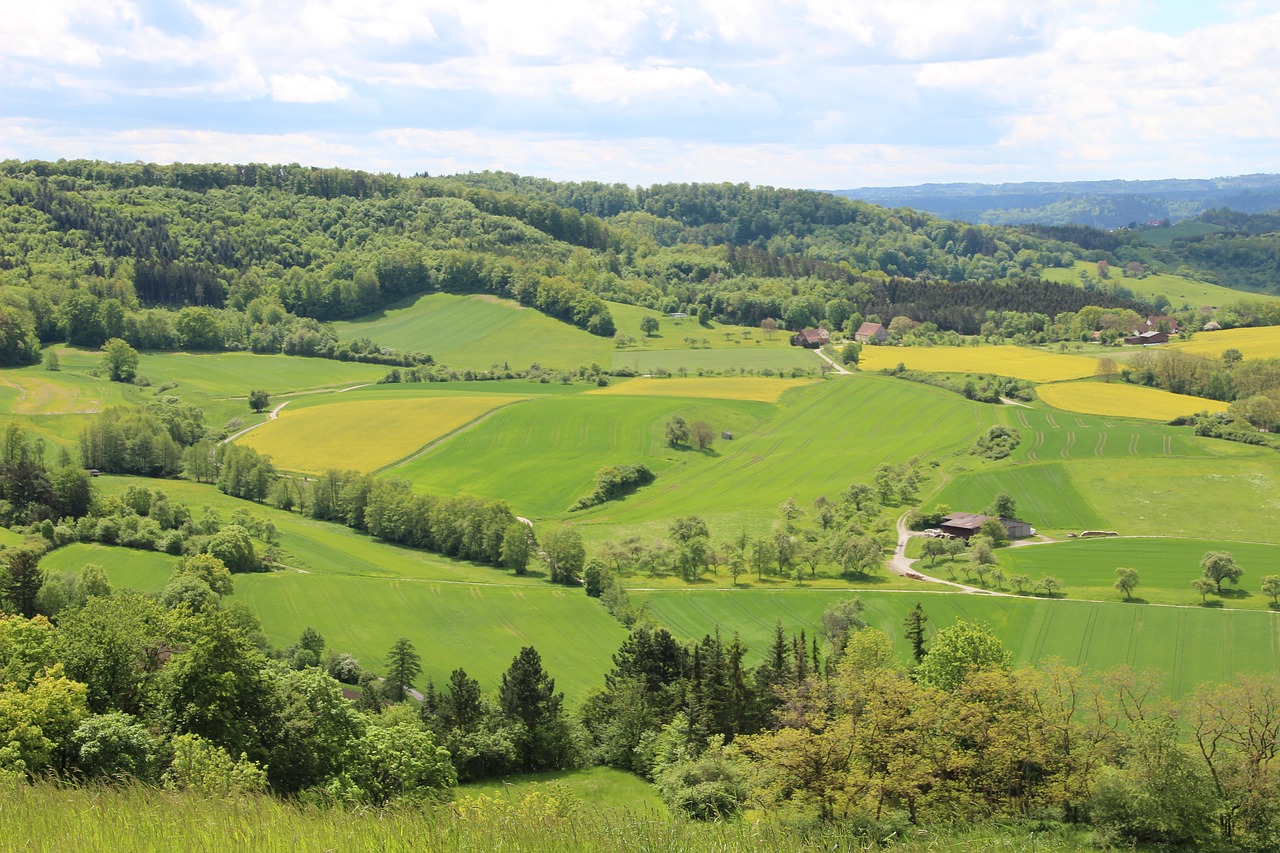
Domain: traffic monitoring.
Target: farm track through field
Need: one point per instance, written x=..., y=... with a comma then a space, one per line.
x=1039, y=442
x=1131, y=651
x=1086, y=640
x=1048, y=417
x=1168, y=445
x=1133, y=445
x=1066, y=448
x=1100, y=448
x=1022, y=419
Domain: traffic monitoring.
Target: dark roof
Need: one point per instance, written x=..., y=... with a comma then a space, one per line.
x=812, y=336
x=965, y=520
x=869, y=329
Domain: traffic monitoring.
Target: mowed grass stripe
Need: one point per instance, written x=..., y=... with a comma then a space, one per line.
x=1018, y=362
x=363, y=435
x=1122, y=400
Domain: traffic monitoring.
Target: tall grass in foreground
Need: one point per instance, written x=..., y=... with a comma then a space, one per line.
x=136, y=818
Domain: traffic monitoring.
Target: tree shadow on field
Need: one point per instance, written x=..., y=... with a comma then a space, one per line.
x=1275, y=605
x=1234, y=594
x=1134, y=600
x=1215, y=603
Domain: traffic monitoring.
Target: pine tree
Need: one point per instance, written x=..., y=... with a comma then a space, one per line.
x=528, y=696
x=915, y=631
x=403, y=666
x=22, y=580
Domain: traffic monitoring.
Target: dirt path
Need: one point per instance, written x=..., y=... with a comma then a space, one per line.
x=1009, y=402
x=840, y=369
x=271, y=416
x=900, y=564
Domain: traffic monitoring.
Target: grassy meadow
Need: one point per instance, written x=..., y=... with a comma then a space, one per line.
x=479, y=331
x=1181, y=291
x=761, y=390
x=1165, y=567
x=1188, y=645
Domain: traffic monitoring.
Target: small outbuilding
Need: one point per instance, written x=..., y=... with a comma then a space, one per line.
x=726, y=435
x=868, y=332
x=811, y=338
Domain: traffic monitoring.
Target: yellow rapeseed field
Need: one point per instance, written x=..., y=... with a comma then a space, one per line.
x=1018, y=362
x=1120, y=400
x=363, y=435
x=1263, y=342
x=763, y=390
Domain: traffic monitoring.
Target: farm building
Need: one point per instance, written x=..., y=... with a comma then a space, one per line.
x=1159, y=324
x=871, y=332
x=812, y=338
x=1148, y=338
x=966, y=524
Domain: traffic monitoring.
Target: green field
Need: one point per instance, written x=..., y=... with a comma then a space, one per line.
x=125, y=567
x=474, y=626
x=747, y=358
x=1182, y=292
x=1165, y=568
x=480, y=331
x=1188, y=645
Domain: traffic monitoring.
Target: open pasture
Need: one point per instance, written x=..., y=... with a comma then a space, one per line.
x=746, y=358
x=1048, y=436
x=234, y=374
x=672, y=331
x=1121, y=400
x=126, y=568
x=821, y=439
x=1018, y=362
x=1235, y=496
x=321, y=547
x=762, y=390
x=362, y=434
x=1262, y=342
x=1180, y=290
x=35, y=391
x=543, y=454
x=1047, y=497
x=1188, y=645
x=1165, y=567
x=477, y=332
x=477, y=627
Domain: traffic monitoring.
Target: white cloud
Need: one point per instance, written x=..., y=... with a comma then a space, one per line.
x=307, y=89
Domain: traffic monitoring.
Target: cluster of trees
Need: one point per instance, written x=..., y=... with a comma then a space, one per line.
x=31, y=489
x=614, y=482
x=152, y=439
x=680, y=433
x=849, y=534
x=1252, y=386
x=985, y=388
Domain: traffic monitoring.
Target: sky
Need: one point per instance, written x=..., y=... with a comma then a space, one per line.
x=803, y=93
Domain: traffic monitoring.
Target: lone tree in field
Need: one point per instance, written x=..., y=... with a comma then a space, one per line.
x=1106, y=369
x=915, y=631
x=702, y=434
x=259, y=400
x=1126, y=580
x=769, y=326
x=1051, y=585
x=403, y=667
x=119, y=360
x=1204, y=586
x=677, y=431
x=1219, y=566
x=1271, y=587
x=933, y=549
x=649, y=325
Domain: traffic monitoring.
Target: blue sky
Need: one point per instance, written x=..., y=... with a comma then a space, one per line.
x=814, y=93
